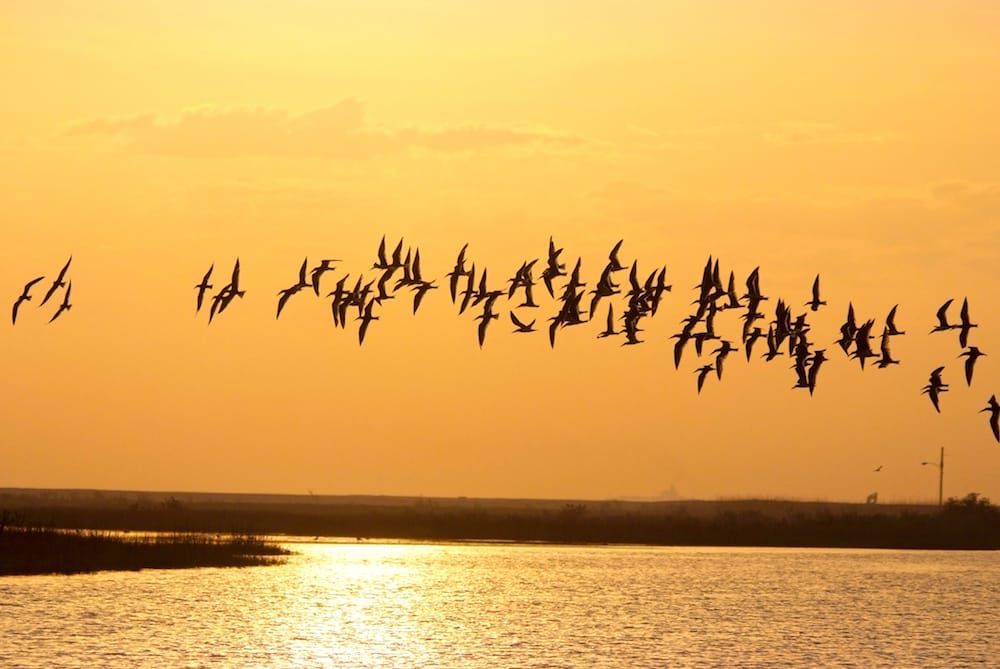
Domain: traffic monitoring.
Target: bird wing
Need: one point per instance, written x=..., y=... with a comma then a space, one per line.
x=50, y=292
x=942, y=314
x=517, y=322
x=62, y=272
x=303, y=271
x=283, y=297
x=381, y=252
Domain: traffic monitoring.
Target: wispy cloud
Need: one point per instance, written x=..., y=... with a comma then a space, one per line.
x=339, y=131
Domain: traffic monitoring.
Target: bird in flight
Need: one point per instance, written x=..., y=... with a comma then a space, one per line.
x=521, y=327
x=317, y=273
x=229, y=292
x=25, y=296
x=203, y=287
x=58, y=283
x=553, y=268
x=993, y=407
x=725, y=348
x=817, y=360
x=877, y=469
x=966, y=325
x=457, y=273
x=65, y=306
x=886, y=358
x=366, y=318
x=890, y=322
x=935, y=386
x=942, y=316
x=971, y=356
x=609, y=328
x=487, y=316
x=703, y=373
x=815, y=303
x=301, y=284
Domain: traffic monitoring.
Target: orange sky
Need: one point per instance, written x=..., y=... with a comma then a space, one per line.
x=150, y=139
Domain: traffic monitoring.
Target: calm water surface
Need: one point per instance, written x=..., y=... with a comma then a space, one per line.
x=371, y=605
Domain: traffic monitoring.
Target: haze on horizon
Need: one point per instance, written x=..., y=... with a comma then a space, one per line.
x=151, y=139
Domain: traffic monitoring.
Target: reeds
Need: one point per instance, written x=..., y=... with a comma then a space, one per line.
x=32, y=550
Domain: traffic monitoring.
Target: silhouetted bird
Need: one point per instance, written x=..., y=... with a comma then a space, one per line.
x=382, y=262
x=487, y=316
x=886, y=358
x=890, y=322
x=58, y=283
x=966, y=325
x=613, y=261
x=702, y=373
x=848, y=329
x=751, y=340
x=773, y=349
x=862, y=343
x=659, y=288
x=553, y=268
x=971, y=356
x=935, y=386
x=942, y=316
x=419, y=290
x=817, y=360
x=457, y=273
x=877, y=469
x=234, y=284
x=301, y=284
x=993, y=407
x=734, y=300
x=725, y=348
x=317, y=273
x=366, y=318
x=815, y=303
x=682, y=339
x=25, y=296
x=204, y=287
x=470, y=289
x=65, y=306
x=338, y=306
x=521, y=327
x=609, y=328
x=524, y=280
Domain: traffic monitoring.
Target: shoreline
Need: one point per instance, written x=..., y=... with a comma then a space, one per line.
x=968, y=524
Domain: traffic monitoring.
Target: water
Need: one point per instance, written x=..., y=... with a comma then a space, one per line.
x=372, y=605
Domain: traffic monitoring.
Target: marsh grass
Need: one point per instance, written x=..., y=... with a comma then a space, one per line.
x=32, y=550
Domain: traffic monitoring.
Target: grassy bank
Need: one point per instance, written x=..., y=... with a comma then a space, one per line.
x=963, y=524
x=46, y=551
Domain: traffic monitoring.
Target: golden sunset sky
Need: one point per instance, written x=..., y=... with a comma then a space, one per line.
x=856, y=140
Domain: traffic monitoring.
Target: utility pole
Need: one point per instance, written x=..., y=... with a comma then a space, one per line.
x=941, y=479
x=940, y=466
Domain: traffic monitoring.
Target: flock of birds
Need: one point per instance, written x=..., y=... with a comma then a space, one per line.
x=471, y=289
x=60, y=283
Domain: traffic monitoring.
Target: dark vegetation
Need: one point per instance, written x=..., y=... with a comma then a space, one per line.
x=36, y=550
x=969, y=523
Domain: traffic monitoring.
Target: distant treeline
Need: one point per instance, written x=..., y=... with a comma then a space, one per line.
x=969, y=523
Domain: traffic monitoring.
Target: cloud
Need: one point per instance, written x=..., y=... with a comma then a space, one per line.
x=339, y=131
x=810, y=132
